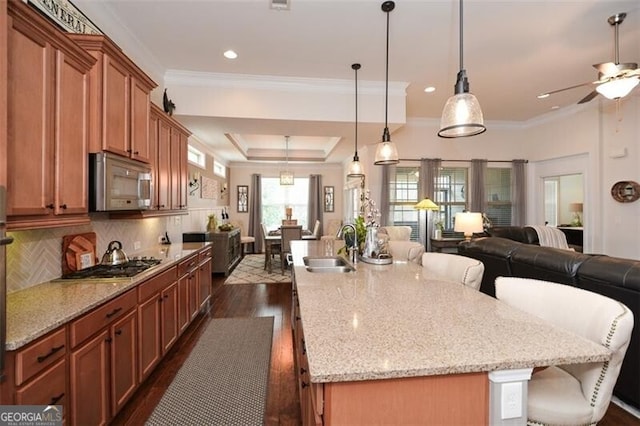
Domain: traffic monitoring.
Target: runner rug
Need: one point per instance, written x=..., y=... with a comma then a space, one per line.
x=251, y=271
x=224, y=380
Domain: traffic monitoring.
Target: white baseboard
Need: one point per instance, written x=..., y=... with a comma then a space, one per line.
x=629, y=408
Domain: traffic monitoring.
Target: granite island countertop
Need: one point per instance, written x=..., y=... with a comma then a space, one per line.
x=37, y=310
x=392, y=321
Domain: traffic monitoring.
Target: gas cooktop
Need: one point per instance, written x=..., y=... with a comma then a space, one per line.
x=125, y=270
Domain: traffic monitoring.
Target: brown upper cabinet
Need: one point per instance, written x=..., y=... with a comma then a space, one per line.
x=120, y=100
x=47, y=149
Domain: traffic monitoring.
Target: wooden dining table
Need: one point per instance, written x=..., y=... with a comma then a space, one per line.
x=273, y=241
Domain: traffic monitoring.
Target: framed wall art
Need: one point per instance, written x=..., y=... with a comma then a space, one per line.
x=243, y=198
x=328, y=199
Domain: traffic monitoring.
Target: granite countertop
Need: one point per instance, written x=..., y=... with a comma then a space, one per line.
x=391, y=321
x=37, y=310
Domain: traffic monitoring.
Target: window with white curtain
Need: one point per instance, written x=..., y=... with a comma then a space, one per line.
x=403, y=195
x=276, y=197
x=497, y=187
x=451, y=194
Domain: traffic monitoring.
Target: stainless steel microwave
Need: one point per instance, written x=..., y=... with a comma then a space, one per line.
x=118, y=183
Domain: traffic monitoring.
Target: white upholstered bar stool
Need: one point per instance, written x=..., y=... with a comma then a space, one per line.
x=453, y=267
x=577, y=394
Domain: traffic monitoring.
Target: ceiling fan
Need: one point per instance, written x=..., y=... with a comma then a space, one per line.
x=615, y=80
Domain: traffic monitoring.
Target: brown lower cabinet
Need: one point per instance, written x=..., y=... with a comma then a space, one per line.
x=93, y=364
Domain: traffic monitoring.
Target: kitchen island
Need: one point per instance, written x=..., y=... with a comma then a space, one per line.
x=389, y=344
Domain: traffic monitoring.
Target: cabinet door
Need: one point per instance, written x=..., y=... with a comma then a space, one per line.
x=48, y=388
x=163, y=170
x=183, y=303
x=124, y=367
x=183, y=175
x=204, y=282
x=71, y=137
x=30, y=127
x=149, y=352
x=140, y=108
x=169, y=315
x=115, y=107
x=194, y=293
x=89, y=382
x=176, y=170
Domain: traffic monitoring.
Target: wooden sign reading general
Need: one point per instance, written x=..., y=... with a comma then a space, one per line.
x=66, y=15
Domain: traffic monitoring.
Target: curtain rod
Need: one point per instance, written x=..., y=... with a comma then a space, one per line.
x=465, y=161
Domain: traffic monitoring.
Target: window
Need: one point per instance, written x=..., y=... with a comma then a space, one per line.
x=219, y=169
x=196, y=157
x=497, y=187
x=276, y=197
x=403, y=195
x=451, y=194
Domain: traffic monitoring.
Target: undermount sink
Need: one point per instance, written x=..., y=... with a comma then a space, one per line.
x=327, y=264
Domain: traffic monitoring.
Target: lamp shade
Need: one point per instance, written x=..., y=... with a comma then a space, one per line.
x=461, y=116
x=617, y=88
x=426, y=204
x=468, y=223
x=575, y=207
x=355, y=169
x=386, y=153
x=286, y=178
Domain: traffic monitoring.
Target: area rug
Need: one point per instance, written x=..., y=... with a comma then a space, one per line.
x=224, y=380
x=251, y=271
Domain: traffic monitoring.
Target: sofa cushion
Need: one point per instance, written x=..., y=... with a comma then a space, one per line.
x=522, y=234
x=546, y=263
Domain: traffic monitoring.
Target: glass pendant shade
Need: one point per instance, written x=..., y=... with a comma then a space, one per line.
x=619, y=88
x=286, y=178
x=355, y=169
x=461, y=116
x=386, y=153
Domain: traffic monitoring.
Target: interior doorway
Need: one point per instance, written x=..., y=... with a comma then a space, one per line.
x=564, y=200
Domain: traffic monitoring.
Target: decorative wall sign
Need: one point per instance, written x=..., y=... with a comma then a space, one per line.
x=328, y=199
x=243, y=198
x=66, y=15
x=625, y=191
x=209, y=188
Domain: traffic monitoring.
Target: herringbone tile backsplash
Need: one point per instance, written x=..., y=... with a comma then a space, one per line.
x=36, y=255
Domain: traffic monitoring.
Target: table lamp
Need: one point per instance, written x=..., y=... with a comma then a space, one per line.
x=428, y=205
x=468, y=223
x=576, y=209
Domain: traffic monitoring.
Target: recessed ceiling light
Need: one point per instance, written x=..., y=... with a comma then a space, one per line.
x=430, y=89
x=555, y=107
x=542, y=96
x=230, y=54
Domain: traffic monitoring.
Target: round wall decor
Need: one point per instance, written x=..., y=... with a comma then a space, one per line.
x=625, y=191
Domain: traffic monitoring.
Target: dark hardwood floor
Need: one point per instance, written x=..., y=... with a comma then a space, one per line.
x=256, y=300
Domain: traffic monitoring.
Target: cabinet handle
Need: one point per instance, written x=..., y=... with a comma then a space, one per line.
x=49, y=206
x=129, y=151
x=136, y=152
x=108, y=340
x=55, y=399
x=304, y=385
x=63, y=206
x=166, y=296
x=112, y=313
x=297, y=318
x=53, y=350
x=302, y=370
x=118, y=332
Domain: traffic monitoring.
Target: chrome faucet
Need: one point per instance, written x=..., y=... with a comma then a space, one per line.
x=353, y=250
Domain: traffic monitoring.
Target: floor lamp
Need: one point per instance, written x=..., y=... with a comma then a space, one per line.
x=427, y=205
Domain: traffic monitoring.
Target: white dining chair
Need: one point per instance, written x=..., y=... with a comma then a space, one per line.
x=575, y=394
x=453, y=267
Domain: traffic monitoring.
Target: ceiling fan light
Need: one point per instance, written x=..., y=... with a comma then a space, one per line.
x=461, y=116
x=617, y=88
x=386, y=153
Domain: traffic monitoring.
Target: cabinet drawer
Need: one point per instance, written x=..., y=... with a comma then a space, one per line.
x=204, y=254
x=39, y=355
x=188, y=264
x=102, y=316
x=156, y=284
x=47, y=389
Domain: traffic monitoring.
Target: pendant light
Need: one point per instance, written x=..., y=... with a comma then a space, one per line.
x=286, y=177
x=462, y=115
x=386, y=151
x=355, y=168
